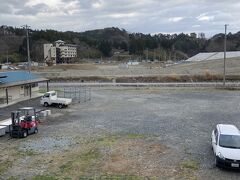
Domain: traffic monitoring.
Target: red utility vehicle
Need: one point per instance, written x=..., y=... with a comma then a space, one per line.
x=24, y=122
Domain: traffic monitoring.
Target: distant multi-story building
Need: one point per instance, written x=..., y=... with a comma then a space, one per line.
x=5, y=30
x=59, y=53
x=201, y=35
x=193, y=35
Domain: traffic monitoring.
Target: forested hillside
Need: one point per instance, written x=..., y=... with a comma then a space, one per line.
x=104, y=42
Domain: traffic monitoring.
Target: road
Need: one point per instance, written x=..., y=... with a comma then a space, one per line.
x=193, y=84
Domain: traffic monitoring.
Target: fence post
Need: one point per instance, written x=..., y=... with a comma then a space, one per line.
x=89, y=93
x=85, y=94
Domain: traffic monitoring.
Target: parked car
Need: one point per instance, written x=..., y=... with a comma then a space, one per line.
x=226, y=146
x=11, y=68
x=50, y=98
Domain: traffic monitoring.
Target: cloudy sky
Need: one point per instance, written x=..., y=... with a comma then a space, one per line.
x=146, y=16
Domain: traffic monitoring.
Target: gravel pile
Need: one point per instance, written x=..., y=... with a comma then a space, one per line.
x=46, y=145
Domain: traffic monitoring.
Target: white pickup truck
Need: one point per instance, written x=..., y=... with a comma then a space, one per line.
x=50, y=98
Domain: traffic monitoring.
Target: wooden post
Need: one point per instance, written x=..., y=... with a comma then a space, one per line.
x=6, y=94
x=30, y=90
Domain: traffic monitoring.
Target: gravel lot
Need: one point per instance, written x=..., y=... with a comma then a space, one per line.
x=163, y=133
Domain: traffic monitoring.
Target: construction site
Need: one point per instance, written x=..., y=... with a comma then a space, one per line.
x=119, y=90
x=198, y=70
x=103, y=121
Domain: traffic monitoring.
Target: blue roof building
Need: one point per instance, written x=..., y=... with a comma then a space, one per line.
x=17, y=76
x=18, y=85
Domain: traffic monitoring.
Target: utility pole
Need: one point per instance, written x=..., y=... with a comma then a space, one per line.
x=7, y=57
x=225, y=49
x=154, y=55
x=147, y=54
x=26, y=27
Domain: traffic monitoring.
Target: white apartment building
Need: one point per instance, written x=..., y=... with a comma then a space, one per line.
x=60, y=53
x=50, y=54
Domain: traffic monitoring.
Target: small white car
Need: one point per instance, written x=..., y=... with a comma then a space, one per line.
x=226, y=146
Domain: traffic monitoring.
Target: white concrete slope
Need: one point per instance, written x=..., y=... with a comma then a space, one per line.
x=213, y=56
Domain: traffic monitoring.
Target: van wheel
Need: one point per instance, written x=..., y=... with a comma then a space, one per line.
x=46, y=104
x=60, y=106
x=216, y=163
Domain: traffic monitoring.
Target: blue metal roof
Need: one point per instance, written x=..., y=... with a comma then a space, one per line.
x=17, y=76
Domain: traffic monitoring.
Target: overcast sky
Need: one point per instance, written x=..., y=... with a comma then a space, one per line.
x=146, y=16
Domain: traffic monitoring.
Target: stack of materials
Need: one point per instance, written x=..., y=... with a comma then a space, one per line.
x=44, y=114
x=4, y=126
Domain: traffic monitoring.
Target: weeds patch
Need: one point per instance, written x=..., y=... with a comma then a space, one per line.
x=12, y=178
x=7, y=159
x=4, y=165
x=27, y=153
x=79, y=162
x=108, y=141
x=136, y=136
x=44, y=177
x=190, y=165
x=66, y=167
x=188, y=169
x=115, y=177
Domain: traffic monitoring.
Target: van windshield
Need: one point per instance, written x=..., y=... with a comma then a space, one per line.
x=229, y=141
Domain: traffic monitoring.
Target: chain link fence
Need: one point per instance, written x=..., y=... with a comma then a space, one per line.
x=77, y=94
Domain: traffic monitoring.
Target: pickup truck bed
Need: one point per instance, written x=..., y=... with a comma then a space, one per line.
x=64, y=101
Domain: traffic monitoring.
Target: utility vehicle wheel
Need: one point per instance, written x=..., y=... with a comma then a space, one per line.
x=46, y=104
x=60, y=106
x=35, y=130
x=24, y=134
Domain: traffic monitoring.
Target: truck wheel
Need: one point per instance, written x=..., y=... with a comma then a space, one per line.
x=24, y=134
x=35, y=130
x=46, y=104
x=60, y=106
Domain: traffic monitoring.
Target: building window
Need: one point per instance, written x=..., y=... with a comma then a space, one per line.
x=34, y=85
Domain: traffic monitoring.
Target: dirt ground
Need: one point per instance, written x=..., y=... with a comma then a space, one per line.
x=124, y=133
x=112, y=70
